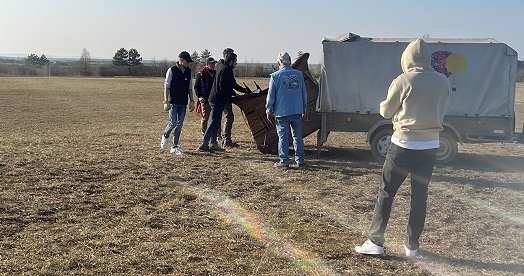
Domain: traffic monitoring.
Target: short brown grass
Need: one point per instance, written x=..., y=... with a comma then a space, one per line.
x=85, y=190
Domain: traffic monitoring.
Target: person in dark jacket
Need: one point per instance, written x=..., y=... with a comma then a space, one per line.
x=203, y=84
x=227, y=142
x=177, y=88
x=221, y=93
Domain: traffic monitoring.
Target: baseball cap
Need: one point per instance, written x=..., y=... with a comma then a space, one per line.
x=284, y=58
x=185, y=55
x=210, y=60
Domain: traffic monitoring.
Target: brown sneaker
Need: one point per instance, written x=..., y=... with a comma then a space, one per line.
x=281, y=165
x=302, y=165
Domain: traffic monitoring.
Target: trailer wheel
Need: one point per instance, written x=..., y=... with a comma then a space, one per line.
x=380, y=144
x=448, y=149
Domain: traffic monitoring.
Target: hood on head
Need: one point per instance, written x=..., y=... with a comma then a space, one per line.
x=416, y=56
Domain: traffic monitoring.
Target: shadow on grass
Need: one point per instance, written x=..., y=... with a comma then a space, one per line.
x=468, y=161
x=347, y=154
x=480, y=183
x=511, y=268
x=488, y=163
x=342, y=158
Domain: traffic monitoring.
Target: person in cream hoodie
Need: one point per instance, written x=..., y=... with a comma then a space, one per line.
x=416, y=102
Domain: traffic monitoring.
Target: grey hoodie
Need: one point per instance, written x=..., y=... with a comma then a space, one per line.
x=418, y=98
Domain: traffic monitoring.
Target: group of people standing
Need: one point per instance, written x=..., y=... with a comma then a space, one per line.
x=215, y=86
x=416, y=102
x=213, y=100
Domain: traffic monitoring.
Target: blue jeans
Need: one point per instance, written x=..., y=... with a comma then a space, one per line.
x=176, y=116
x=282, y=126
x=210, y=136
x=399, y=163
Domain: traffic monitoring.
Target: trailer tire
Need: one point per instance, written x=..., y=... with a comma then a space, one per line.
x=380, y=144
x=445, y=155
x=448, y=148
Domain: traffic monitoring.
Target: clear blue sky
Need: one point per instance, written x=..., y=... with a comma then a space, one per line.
x=257, y=30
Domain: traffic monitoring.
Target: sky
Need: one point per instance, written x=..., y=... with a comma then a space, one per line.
x=256, y=30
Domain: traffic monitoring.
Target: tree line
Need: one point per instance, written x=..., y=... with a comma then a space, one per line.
x=124, y=63
x=129, y=63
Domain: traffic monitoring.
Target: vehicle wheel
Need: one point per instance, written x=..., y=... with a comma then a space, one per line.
x=380, y=144
x=448, y=149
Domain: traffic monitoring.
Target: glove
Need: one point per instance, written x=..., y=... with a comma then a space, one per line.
x=167, y=106
x=191, y=106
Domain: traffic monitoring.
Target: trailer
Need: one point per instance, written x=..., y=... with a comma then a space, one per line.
x=357, y=71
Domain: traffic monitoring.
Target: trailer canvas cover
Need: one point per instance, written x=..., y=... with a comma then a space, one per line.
x=356, y=74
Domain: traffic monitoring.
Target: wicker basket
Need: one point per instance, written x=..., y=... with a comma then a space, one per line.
x=254, y=111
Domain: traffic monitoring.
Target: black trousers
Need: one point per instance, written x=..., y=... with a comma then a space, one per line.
x=399, y=163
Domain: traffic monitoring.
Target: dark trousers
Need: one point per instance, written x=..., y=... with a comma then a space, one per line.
x=228, y=121
x=399, y=163
x=213, y=127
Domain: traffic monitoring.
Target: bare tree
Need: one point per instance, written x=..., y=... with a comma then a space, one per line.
x=85, y=58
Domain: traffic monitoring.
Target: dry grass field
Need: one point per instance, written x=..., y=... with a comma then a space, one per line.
x=86, y=190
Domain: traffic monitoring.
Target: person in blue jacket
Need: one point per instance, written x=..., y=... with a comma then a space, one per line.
x=286, y=104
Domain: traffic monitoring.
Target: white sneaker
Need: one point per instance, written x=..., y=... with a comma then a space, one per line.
x=163, y=142
x=176, y=151
x=409, y=252
x=369, y=248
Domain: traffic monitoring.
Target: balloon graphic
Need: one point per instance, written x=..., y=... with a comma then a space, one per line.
x=456, y=63
x=448, y=63
x=438, y=62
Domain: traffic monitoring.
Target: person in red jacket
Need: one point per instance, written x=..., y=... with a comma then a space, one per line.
x=203, y=84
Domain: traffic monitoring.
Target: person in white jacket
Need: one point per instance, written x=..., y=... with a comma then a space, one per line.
x=416, y=102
